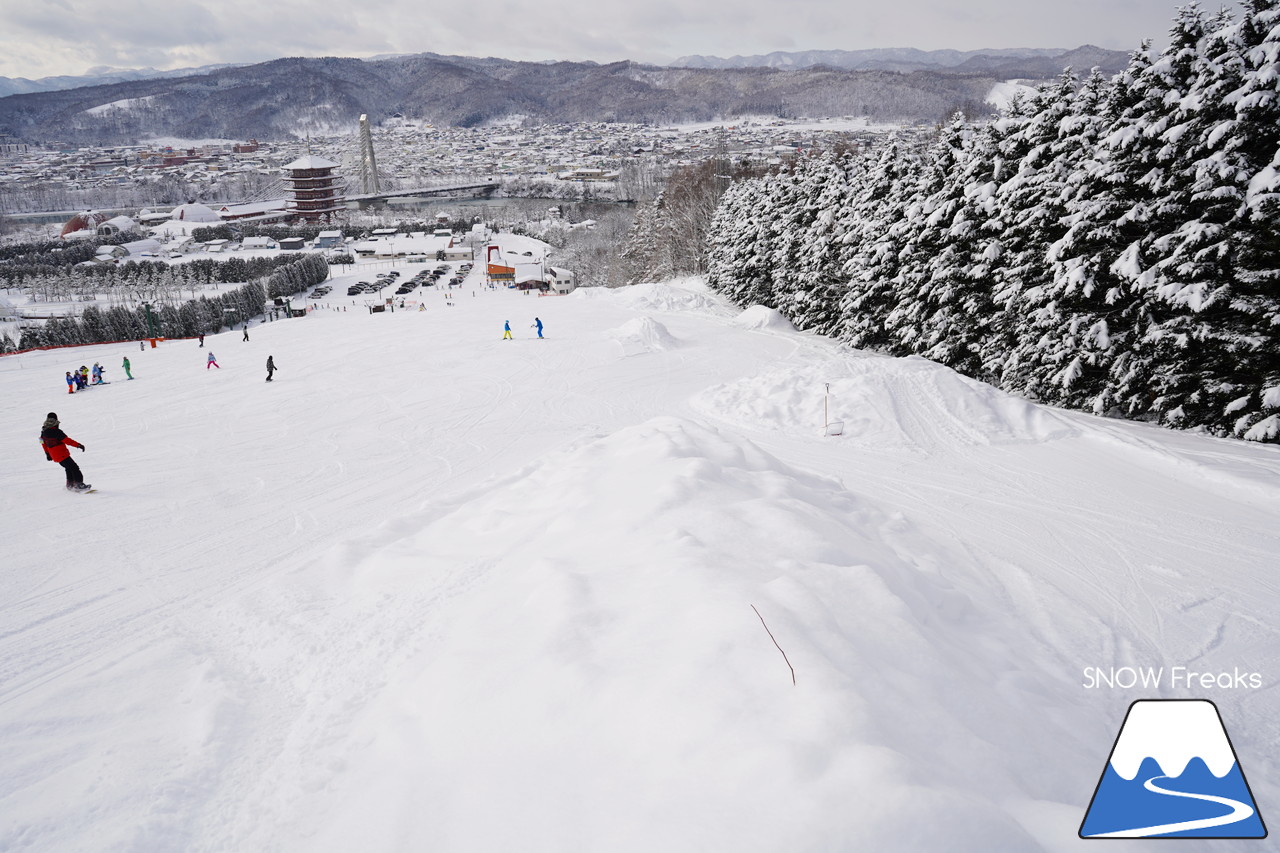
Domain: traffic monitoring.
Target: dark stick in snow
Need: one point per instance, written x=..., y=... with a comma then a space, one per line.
x=775, y=642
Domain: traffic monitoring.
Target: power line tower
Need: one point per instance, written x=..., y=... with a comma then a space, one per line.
x=368, y=162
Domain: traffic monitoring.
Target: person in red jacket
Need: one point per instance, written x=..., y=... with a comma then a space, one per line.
x=55, y=441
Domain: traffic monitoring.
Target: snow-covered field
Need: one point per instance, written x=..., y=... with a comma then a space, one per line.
x=433, y=590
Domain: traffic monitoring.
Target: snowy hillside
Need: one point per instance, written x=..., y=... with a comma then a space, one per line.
x=433, y=590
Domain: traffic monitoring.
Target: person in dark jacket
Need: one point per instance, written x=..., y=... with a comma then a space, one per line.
x=55, y=441
x=271, y=367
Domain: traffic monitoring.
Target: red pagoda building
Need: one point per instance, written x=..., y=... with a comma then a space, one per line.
x=314, y=191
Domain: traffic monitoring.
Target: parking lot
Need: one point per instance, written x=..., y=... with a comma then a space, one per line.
x=397, y=282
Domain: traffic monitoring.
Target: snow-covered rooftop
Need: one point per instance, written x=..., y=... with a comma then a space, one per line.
x=311, y=161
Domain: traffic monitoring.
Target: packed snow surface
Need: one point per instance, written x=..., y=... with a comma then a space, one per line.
x=434, y=590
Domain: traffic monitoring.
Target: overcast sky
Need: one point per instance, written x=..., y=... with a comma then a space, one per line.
x=40, y=38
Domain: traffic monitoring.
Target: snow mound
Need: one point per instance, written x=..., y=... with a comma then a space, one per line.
x=905, y=403
x=643, y=334
x=687, y=294
x=604, y=654
x=763, y=318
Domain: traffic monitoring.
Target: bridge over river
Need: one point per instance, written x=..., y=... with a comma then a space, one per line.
x=365, y=199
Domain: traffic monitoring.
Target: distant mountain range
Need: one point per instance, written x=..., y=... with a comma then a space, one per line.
x=1008, y=62
x=100, y=76
x=293, y=96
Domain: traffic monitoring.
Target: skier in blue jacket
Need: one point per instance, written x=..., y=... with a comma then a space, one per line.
x=506, y=331
x=537, y=324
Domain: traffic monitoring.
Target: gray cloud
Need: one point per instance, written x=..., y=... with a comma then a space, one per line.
x=50, y=37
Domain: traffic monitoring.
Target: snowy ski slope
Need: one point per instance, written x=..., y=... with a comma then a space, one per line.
x=430, y=590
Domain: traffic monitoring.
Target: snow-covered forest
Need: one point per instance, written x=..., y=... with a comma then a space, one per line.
x=1108, y=245
x=125, y=289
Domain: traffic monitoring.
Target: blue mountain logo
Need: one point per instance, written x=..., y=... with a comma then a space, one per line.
x=1173, y=773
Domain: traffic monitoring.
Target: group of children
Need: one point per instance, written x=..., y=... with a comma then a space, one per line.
x=78, y=380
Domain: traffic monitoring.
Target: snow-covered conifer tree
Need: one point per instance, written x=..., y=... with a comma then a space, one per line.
x=930, y=226
x=872, y=232
x=816, y=301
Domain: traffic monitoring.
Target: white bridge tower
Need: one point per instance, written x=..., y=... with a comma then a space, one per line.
x=368, y=162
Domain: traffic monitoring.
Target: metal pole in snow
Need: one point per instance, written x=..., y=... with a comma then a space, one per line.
x=825, y=423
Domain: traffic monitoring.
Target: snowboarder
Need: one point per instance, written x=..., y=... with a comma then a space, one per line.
x=506, y=331
x=212, y=362
x=271, y=367
x=537, y=324
x=71, y=383
x=246, y=331
x=55, y=441
x=202, y=339
x=126, y=367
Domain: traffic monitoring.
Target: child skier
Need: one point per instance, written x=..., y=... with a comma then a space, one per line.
x=71, y=383
x=506, y=331
x=55, y=441
x=212, y=362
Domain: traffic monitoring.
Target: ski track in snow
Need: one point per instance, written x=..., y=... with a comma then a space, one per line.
x=434, y=590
